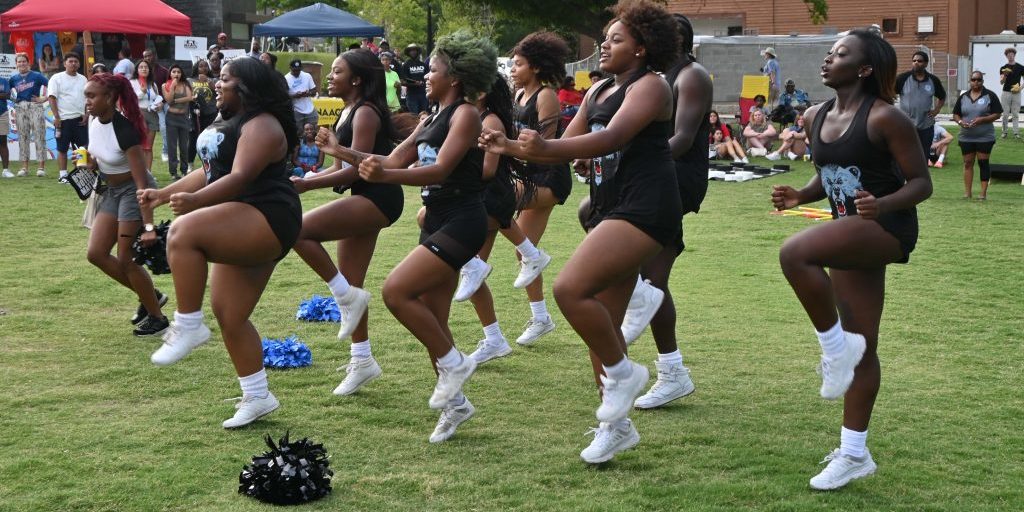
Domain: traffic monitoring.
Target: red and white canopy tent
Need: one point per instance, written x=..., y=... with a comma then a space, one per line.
x=118, y=16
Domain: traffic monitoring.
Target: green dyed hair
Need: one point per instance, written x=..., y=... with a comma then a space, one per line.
x=472, y=60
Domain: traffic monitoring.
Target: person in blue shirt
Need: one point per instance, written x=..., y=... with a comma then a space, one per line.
x=5, y=125
x=791, y=102
x=29, y=111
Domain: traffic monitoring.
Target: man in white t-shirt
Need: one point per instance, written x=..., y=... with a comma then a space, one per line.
x=66, y=91
x=124, y=66
x=302, y=89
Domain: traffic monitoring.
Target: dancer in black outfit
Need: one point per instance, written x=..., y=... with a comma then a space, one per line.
x=448, y=168
x=357, y=76
x=870, y=167
x=624, y=124
x=692, y=88
x=239, y=212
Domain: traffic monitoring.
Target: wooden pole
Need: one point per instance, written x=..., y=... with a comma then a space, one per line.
x=87, y=49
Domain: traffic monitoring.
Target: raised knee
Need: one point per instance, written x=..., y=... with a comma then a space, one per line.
x=391, y=294
x=96, y=257
x=790, y=255
x=564, y=291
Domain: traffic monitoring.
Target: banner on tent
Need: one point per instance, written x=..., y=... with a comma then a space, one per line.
x=7, y=65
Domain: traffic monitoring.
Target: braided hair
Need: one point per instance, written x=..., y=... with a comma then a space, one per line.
x=499, y=102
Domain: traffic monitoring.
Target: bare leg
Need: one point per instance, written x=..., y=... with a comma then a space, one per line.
x=663, y=325
x=860, y=295
x=968, y=174
x=137, y=276
x=422, y=274
x=483, y=301
x=234, y=293
x=609, y=257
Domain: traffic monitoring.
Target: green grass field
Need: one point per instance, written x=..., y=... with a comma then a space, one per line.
x=87, y=423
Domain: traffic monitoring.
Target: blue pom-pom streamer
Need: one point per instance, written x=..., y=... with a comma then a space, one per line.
x=286, y=353
x=319, y=309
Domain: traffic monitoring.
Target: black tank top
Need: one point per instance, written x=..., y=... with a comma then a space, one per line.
x=216, y=147
x=852, y=162
x=527, y=117
x=691, y=166
x=611, y=173
x=382, y=145
x=463, y=185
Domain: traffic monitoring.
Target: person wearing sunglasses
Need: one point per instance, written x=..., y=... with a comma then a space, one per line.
x=975, y=111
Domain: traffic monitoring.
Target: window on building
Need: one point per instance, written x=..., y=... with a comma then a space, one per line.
x=926, y=24
x=734, y=31
x=891, y=25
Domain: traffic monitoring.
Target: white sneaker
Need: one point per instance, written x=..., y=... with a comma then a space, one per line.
x=450, y=381
x=359, y=370
x=22, y=173
x=8, y=174
x=471, y=277
x=643, y=305
x=178, y=343
x=842, y=469
x=530, y=268
x=451, y=418
x=673, y=382
x=485, y=351
x=745, y=160
x=608, y=441
x=837, y=374
x=534, y=330
x=62, y=175
x=41, y=173
x=757, y=151
x=774, y=155
x=163, y=157
x=619, y=395
x=251, y=408
x=352, y=306
x=791, y=155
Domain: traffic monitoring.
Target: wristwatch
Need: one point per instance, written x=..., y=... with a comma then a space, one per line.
x=149, y=228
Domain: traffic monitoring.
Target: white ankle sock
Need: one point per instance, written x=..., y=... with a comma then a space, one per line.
x=189, y=320
x=672, y=358
x=339, y=286
x=853, y=443
x=540, y=311
x=832, y=341
x=450, y=360
x=528, y=250
x=942, y=158
x=619, y=425
x=620, y=370
x=493, y=333
x=255, y=384
x=360, y=349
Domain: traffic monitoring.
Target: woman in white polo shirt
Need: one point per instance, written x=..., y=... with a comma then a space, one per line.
x=115, y=149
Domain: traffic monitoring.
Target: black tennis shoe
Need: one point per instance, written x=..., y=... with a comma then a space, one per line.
x=141, y=313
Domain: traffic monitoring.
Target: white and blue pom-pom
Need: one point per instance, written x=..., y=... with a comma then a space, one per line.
x=286, y=353
x=319, y=309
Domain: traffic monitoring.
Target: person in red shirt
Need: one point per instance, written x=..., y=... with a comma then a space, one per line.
x=569, y=97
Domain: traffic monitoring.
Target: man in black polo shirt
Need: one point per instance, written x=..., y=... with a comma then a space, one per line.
x=1010, y=75
x=918, y=90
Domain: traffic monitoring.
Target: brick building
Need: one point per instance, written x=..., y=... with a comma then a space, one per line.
x=942, y=25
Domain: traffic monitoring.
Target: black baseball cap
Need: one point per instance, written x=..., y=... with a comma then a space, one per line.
x=295, y=63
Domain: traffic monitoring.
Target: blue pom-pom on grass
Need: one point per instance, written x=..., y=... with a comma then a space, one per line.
x=286, y=353
x=319, y=309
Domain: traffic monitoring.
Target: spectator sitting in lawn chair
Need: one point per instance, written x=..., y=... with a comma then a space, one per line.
x=791, y=102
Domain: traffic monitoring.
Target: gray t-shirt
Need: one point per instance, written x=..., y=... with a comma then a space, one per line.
x=969, y=109
x=916, y=97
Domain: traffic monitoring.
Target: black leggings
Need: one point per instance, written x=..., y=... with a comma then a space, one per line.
x=986, y=171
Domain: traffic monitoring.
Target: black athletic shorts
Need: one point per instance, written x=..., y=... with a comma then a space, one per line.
x=285, y=221
x=977, y=147
x=388, y=198
x=558, y=178
x=901, y=224
x=455, y=234
x=500, y=202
